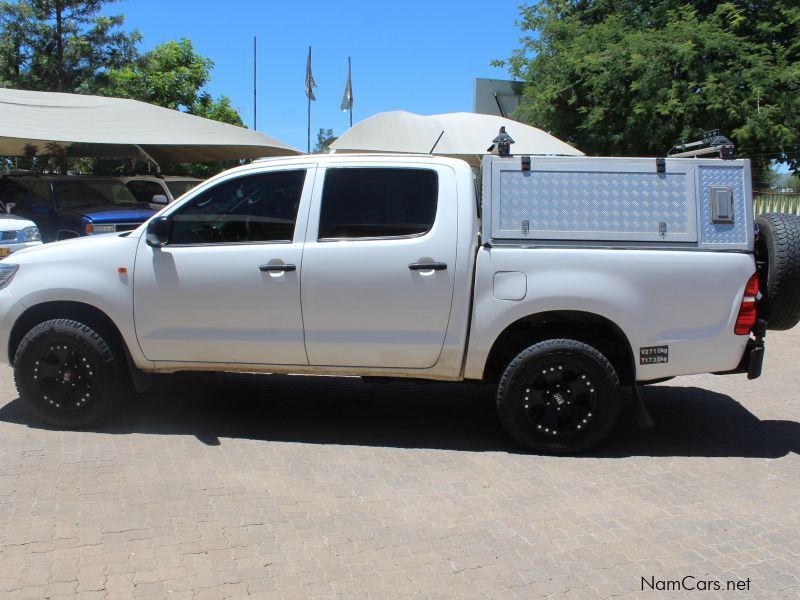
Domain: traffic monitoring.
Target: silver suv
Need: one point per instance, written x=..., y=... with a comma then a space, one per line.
x=159, y=190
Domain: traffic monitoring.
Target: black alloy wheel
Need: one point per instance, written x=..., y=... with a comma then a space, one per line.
x=560, y=399
x=64, y=376
x=69, y=375
x=559, y=396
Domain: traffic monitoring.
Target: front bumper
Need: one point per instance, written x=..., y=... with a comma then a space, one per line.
x=7, y=249
x=10, y=311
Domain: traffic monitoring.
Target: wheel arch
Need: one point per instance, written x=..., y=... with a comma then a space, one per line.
x=63, y=309
x=589, y=328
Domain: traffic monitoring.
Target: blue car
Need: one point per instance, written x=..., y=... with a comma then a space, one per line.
x=73, y=206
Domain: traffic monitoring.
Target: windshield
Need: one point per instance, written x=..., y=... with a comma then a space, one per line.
x=179, y=188
x=92, y=194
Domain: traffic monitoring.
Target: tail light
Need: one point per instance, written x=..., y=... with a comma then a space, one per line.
x=748, y=311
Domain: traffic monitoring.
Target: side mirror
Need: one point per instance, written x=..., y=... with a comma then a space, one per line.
x=10, y=207
x=159, y=199
x=158, y=232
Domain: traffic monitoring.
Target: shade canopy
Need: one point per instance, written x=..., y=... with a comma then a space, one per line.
x=462, y=135
x=99, y=126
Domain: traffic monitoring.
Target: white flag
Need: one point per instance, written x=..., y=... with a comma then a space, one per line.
x=347, y=99
x=310, y=83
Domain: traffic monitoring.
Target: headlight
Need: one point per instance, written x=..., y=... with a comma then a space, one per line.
x=92, y=229
x=7, y=271
x=31, y=234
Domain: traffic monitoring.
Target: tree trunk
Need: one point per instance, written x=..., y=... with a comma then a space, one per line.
x=59, y=8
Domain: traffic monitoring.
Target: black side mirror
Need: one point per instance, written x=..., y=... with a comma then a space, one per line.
x=158, y=232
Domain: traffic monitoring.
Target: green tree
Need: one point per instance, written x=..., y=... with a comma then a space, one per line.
x=216, y=110
x=325, y=138
x=61, y=45
x=172, y=75
x=636, y=76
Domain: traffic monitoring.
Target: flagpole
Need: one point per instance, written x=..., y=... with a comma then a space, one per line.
x=255, y=76
x=308, y=149
x=349, y=78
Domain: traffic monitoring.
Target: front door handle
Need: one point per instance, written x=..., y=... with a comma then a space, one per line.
x=277, y=268
x=431, y=266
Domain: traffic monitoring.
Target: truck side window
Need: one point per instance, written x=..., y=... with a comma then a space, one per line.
x=253, y=208
x=374, y=203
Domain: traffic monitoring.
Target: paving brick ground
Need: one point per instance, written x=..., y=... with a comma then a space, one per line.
x=217, y=486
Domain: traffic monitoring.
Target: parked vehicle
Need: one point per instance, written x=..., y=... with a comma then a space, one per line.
x=159, y=190
x=16, y=233
x=73, y=206
x=567, y=279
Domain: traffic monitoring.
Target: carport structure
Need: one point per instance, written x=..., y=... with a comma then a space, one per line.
x=81, y=125
x=459, y=135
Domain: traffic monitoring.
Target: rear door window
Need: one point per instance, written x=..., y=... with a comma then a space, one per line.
x=361, y=203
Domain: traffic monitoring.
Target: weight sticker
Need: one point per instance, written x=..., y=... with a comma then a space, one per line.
x=651, y=355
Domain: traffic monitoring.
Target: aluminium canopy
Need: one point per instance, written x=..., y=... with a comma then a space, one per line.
x=462, y=135
x=99, y=126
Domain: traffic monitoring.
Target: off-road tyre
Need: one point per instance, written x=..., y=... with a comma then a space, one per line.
x=778, y=247
x=559, y=396
x=69, y=375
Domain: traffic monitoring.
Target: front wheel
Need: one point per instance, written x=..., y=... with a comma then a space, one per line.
x=559, y=396
x=68, y=374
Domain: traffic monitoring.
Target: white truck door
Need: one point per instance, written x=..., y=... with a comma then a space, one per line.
x=379, y=265
x=226, y=287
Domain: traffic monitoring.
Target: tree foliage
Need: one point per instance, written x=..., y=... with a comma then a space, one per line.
x=633, y=77
x=173, y=75
x=325, y=138
x=61, y=45
x=170, y=75
x=68, y=46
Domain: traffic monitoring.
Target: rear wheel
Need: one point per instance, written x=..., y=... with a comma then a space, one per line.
x=778, y=247
x=559, y=396
x=68, y=374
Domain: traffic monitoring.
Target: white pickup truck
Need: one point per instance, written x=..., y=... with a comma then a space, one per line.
x=565, y=279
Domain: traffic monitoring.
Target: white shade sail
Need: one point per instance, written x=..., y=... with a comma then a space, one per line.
x=99, y=126
x=462, y=135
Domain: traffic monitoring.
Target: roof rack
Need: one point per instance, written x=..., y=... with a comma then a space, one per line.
x=712, y=143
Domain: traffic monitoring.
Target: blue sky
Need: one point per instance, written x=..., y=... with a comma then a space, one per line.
x=412, y=55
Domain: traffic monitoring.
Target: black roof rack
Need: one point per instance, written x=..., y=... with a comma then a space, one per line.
x=712, y=143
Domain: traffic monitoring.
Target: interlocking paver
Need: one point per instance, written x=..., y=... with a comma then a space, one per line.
x=226, y=486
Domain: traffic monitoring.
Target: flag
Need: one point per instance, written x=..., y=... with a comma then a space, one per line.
x=310, y=83
x=347, y=99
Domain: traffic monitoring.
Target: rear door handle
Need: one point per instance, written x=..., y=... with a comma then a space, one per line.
x=277, y=268
x=431, y=266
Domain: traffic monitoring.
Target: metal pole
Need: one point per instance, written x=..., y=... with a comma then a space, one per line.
x=308, y=93
x=350, y=81
x=148, y=157
x=255, y=106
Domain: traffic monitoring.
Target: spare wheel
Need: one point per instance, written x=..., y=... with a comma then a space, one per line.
x=778, y=252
